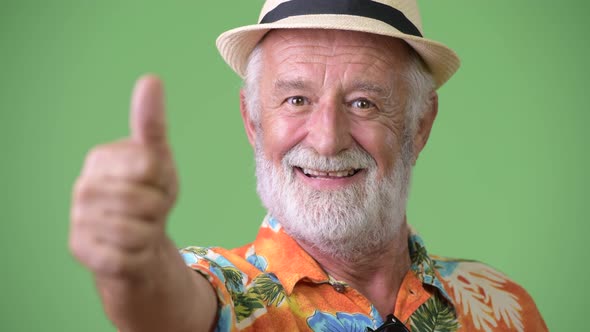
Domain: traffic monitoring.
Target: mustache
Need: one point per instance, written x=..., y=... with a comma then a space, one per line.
x=305, y=157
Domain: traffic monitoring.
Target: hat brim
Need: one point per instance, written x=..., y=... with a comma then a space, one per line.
x=236, y=45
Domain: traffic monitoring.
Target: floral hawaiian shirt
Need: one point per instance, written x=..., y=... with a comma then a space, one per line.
x=274, y=285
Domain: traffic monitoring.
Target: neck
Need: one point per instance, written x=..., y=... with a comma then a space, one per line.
x=378, y=275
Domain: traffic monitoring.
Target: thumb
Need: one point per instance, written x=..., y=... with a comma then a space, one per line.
x=147, y=117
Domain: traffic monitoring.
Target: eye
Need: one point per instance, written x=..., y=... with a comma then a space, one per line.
x=362, y=104
x=297, y=101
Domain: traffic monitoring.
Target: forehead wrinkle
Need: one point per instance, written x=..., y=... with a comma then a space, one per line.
x=366, y=86
x=379, y=89
x=387, y=50
x=307, y=57
x=381, y=60
x=380, y=64
x=387, y=53
x=323, y=63
x=379, y=43
x=314, y=48
x=387, y=46
x=290, y=84
x=374, y=55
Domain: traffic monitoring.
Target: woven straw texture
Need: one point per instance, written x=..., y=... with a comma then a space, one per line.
x=236, y=45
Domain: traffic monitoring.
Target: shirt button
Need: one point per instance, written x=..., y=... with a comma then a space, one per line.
x=339, y=288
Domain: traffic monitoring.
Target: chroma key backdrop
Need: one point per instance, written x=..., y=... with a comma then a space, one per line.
x=504, y=178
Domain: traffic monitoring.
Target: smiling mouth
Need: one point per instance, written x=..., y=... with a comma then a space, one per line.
x=335, y=174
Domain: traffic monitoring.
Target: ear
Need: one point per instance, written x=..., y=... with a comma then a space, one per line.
x=249, y=125
x=424, y=126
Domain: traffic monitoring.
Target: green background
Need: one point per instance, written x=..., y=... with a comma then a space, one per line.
x=503, y=179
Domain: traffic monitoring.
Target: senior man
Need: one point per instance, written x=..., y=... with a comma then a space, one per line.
x=338, y=101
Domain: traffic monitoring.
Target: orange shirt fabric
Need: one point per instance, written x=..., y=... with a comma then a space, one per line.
x=272, y=284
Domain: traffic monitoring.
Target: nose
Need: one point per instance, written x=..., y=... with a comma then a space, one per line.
x=329, y=129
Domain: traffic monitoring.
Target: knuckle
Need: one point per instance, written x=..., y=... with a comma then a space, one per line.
x=82, y=190
x=97, y=154
x=123, y=159
x=76, y=217
x=78, y=247
x=111, y=259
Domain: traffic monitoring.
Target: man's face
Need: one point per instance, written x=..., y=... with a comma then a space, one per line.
x=329, y=90
x=330, y=136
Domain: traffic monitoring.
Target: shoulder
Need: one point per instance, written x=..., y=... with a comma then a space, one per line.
x=486, y=299
x=218, y=260
x=244, y=291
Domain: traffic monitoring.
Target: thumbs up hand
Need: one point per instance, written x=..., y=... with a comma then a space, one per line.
x=123, y=196
x=119, y=208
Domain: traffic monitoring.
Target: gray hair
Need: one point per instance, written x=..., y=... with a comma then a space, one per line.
x=417, y=75
x=252, y=86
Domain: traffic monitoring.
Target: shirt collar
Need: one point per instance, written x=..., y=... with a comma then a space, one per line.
x=275, y=252
x=423, y=265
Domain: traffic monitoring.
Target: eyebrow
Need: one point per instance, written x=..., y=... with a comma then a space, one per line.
x=287, y=85
x=365, y=86
x=377, y=89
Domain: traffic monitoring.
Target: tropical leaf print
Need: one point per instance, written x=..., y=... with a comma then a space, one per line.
x=245, y=304
x=199, y=251
x=339, y=322
x=422, y=264
x=479, y=291
x=260, y=262
x=419, y=256
x=506, y=308
x=435, y=315
x=269, y=289
x=233, y=278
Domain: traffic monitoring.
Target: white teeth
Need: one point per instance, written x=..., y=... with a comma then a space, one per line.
x=334, y=174
x=338, y=174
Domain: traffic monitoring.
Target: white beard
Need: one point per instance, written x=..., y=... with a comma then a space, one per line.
x=347, y=224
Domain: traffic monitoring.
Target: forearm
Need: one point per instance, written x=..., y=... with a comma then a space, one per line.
x=171, y=297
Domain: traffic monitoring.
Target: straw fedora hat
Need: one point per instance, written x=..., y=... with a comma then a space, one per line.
x=394, y=18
